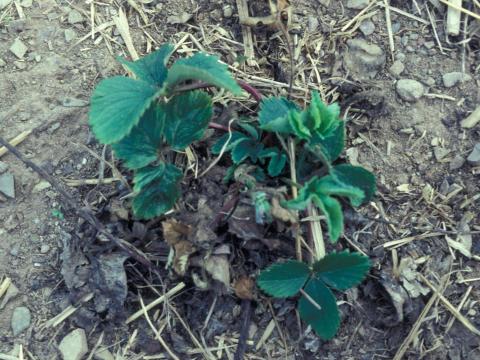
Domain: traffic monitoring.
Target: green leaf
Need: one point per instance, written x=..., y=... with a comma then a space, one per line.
x=330, y=185
x=250, y=130
x=342, y=270
x=186, y=118
x=204, y=68
x=273, y=114
x=152, y=68
x=297, y=125
x=235, y=139
x=284, y=279
x=277, y=164
x=332, y=210
x=358, y=177
x=306, y=194
x=326, y=320
x=330, y=145
x=322, y=117
x=157, y=188
x=141, y=146
x=246, y=148
x=117, y=105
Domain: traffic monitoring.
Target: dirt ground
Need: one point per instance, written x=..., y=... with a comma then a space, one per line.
x=428, y=192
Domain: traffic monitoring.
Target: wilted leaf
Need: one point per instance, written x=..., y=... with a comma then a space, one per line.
x=282, y=214
x=326, y=320
x=284, y=279
x=342, y=270
x=243, y=287
x=117, y=105
x=219, y=268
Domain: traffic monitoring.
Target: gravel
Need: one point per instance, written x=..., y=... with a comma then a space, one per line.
x=409, y=89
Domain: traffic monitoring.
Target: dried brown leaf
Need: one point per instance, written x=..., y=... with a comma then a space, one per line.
x=243, y=287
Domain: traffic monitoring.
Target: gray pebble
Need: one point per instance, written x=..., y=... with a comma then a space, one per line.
x=18, y=48
x=74, y=17
x=362, y=59
x=357, y=4
x=21, y=319
x=397, y=68
x=457, y=162
x=474, y=157
x=7, y=185
x=72, y=102
x=70, y=35
x=45, y=248
x=367, y=27
x=440, y=153
x=453, y=78
x=409, y=89
x=312, y=23
x=74, y=346
x=3, y=167
x=227, y=11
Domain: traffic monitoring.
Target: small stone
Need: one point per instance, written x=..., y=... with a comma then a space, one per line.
x=397, y=68
x=74, y=17
x=21, y=65
x=7, y=185
x=312, y=23
x=70, y=35
x=457, y=162
x=474, y=157
x=2, y=62
x=18, y=48
x=21, y=319
x=362, y=59
x=409, y=89
x=430, y=81
x=42, y=185
x=367, y=27
x=103, y=354
x=227, y=11
x=3, y=167
x=429, y=44
x=357, y=4
x=44, y=249
x=453, y=78
x=72, y=102
x=74, y=346
x=4, y=3
x=440, y=153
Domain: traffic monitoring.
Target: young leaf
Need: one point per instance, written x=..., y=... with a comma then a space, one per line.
x=330, y=185
x=117, y=105
x=331, y=144
x=299, y=129
x=151, y=68
x=342, y=270
x=332, y=210
x=322, y=117
x=284, y=279
x=141, y=146
x=186, y=118
x=326, y=320
x=276, y=164
x=204, y=68
x=358, y=177
x=158, y=188
x=273, y=114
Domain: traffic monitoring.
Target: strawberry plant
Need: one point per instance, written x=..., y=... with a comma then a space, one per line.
x=318, y=135
x=147, y=117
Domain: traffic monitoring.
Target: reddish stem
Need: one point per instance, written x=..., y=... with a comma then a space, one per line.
x=214, y=125
x=251, y=90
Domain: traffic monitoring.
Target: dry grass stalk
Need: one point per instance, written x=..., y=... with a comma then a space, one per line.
x=15, y=141
x=453, y=18
x=452, y=4
x=66, y=313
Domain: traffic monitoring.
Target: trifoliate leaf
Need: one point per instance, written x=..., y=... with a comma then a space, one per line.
x=186, y=118
x=141, y=146
x=117, y=105
x=236, y=137
x=358, y=177
x=152, y=68
x=284, y=279
x=158, y=188
x=342, y=270
x=330, y=144
x=323, y=316
x=332, y=210
x=273, y=114
x=205, y=68
x=277, y=164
